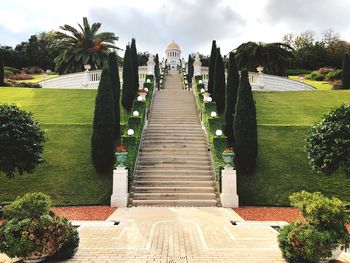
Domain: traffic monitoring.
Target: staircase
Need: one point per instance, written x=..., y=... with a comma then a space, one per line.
x=174, y=167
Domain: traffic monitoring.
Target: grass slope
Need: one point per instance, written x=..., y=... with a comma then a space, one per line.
x=284, y=120
x=319, y=85
x=67, y=174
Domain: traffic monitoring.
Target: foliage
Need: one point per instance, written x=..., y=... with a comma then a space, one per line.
x=190, y=69
x=274, y=57
x=69, y=247
x=78, y=48
x=31, y=228
x=21, y=76
x=231, y=98
x=129, y=92
x=346, y=72
x=31, y=205
x=324, y=228
x=328, y=145
x=297, y=72
x=115, y=81
x=212, y=62
x=2, y=72
x=135, y=65
x=245, y=127
x=102, y=147
x=334, y=75
x=12, y=83
x=219, y=83
x=22, y=141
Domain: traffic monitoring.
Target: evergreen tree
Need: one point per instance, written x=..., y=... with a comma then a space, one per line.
x=219, y=83
x=231, y=98
x=157, y=69
x=114, y=75
x=2, y=75
x=128, y=92
x=245, y=128
x=212, y=61
x=135, y=65
x=346, y=72
x=102, y=146
x=190, y=70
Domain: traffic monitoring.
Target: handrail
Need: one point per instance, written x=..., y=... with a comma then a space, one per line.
x=139, y=149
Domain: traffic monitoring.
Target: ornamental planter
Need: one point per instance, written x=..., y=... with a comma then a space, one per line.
x=228, y=158
x=34, y=259
x=121, y=158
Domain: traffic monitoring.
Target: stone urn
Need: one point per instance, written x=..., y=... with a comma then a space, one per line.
x=228, y=158
x=121, y=158
x=142, y=94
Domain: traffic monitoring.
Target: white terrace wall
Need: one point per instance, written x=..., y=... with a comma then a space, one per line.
x=85, y=80
x=266, y=82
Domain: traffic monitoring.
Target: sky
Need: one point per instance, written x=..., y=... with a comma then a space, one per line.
x=193, y=24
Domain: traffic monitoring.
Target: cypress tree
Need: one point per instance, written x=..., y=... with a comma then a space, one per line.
x=128, y=92
x=219, y=83
x=135, y=65
x=346, y=72
x=114, y=75
x=245, y=128
x=102, y=147
x=231, y=98
x=2, y=74
x=190, y=69
x=157, y=69
x=212, y=60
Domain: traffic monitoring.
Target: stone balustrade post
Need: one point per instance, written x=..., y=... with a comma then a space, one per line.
x=120, y=194
x=228, y=196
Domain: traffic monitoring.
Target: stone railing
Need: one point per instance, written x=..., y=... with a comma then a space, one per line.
x=86, y=79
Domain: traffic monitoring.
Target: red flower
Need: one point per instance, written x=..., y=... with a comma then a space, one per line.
x=229, y=149
x=120, y=148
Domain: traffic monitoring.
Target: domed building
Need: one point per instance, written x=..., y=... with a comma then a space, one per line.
x=173, y=55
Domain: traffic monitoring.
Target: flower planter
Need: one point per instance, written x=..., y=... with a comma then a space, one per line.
x=121, y=158
x=228, y=159
x=34, y=259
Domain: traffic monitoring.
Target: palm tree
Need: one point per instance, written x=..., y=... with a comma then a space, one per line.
x=274, y=57
x=86, y=46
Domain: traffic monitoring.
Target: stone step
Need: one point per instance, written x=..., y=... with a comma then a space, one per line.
x=173, y=162
x=174, y=196
x=175, y=166
x=177, y=172
x=185, y=142
x=175, y=158
x=176, y=149
x=201, y=203
x=173, y=189
x=177, y=138
x=174, y=183
x=166, y=177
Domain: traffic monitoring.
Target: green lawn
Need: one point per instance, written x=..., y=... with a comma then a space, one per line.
x=284, y=120
x=67, y=174
x=319, y=85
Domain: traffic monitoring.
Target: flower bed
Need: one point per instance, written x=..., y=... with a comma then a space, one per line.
x=84, y=212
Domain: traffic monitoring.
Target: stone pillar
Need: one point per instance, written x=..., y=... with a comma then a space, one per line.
x=120, y=194
x=86, y=78
x=229, y=197
x=197, y=64
x=150, y=65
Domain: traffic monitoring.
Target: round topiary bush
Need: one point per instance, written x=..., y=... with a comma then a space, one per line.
x=69, y=248
x=21, y=141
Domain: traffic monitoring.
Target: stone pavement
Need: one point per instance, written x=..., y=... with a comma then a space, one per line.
x=177, y=234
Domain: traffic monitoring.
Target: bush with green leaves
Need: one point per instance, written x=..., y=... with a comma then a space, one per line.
x=346, y=72
x=323, y=231
x=21, y=141
x=69, y=248
x=31, y=229
x=2, y=70
x=328, y=145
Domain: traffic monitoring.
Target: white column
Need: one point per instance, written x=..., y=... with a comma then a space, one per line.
x=228, y=196
x=120, y=194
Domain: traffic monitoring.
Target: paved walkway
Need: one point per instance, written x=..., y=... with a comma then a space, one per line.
x=177, y=234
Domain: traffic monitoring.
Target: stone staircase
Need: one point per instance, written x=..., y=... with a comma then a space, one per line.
x=174, y=167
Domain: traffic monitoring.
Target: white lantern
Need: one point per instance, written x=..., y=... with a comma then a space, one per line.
x=135, y=113
x=209, y=99
x=213, y=114
x=218, y=133
x=139, y=98
x=148, y=81
x=202, y=90
x=200, y=81
x=146, y=89
x=131, y=132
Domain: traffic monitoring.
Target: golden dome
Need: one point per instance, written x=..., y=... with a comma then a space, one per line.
x=173, y=45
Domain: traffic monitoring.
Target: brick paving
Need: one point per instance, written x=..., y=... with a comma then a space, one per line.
x=177, y=234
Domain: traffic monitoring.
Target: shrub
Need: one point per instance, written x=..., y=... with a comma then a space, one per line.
x=219, y=83
x=31, y=229
x=337, y=85
x=31, y=205
x=69, y=247
x=328, y=145
x=128, y=93
x=12, y=83
x=334, y=75
x=2, y=71
x=22, y=141
x=33, y=70
x=21, y=76
x=297, y=72
x=212, y=60
x=346, y=72
x=325, y=71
